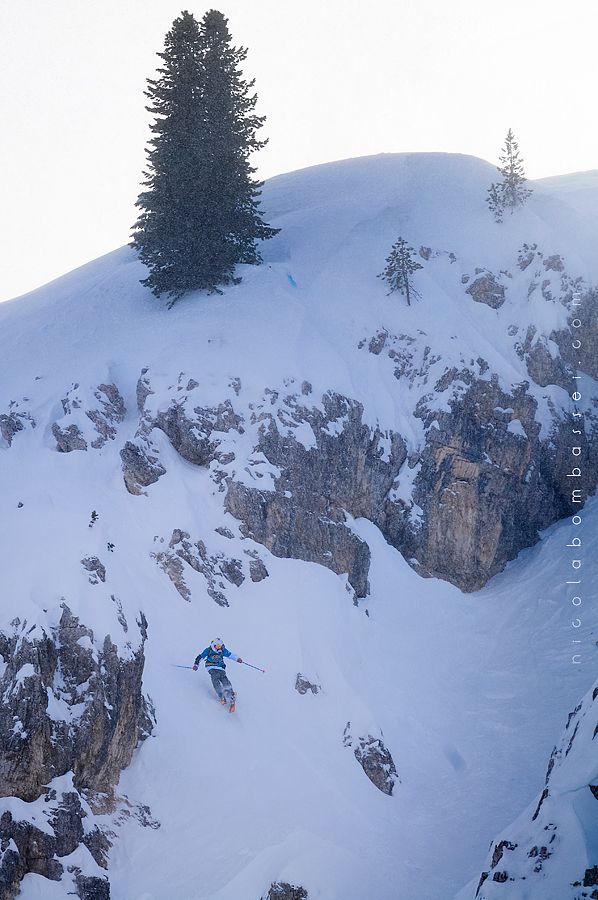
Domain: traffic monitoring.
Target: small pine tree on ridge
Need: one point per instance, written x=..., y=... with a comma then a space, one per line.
x=400, y=266
x=510, y=193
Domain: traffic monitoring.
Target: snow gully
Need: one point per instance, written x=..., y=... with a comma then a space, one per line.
x=574, y=581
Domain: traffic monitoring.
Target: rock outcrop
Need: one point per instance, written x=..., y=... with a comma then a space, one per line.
x=489, y=474
x=198, y=438
x=219, y=570
x=547, y=853
x=282, y=890
x=486, y=288
x=13, y=422
x=103, y=407
x=326, y=462
x=488, y=464
x=140, y=467
x=374, y=758
x=28, y=848
x=486, y=484
x=303, y=685
x=579, y=346
x=291, y=531
x=72, y=716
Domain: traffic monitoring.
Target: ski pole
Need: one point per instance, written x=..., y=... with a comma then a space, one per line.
x=253, y=667
x=180, y=667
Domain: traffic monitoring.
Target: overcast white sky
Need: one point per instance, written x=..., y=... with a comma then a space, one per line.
x=336, y=79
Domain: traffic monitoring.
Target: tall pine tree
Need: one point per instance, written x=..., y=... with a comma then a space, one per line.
x=510, y=193
x=200, y=213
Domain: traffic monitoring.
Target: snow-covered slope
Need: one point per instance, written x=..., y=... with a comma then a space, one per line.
x=466, y=692
x=550, y=851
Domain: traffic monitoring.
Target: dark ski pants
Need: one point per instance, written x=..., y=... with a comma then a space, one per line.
x=222, y=685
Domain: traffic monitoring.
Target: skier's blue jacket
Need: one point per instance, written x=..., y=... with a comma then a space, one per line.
x=215, y=658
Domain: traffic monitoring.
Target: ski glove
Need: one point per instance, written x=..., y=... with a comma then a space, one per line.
x=239, y=659
x=194, y=668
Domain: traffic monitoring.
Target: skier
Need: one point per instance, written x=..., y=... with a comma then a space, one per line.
x=214, y=657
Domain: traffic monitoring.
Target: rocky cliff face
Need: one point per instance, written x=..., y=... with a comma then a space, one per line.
x=295, y=469
x=267, y=423
x=72, y=715
x=549, y=853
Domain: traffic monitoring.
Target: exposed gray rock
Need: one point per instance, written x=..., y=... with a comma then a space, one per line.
x=485, y=488
x=35, y=850
x=67, y=823
x=68, y=439
x=121, y=616
x=9, y=426
x=105, y=717
x=585, y=357
x=140, y=469
x=289, y=530
x=12, y=869
x=412, y=360
x=481, y=487
x=73, y=432
x=232, y=569
x=90, y=887
x=196, y=438
x=545, y=369
x=312, y=525
x=29, y=850
x=13, y=422
x=554, y=262
x=217, y=568
x=545, y=286
x=98, y=845
x=486, y=289
x=304, y=518
x=303, y=685
x=143, y=390
x=377, y=343
x=96, y=569
x=112, y=716
x=498, y=851
x=590, y=877
x=282, y=890
x=173, y=566
x=111, y=412
x=375, y=760
x=527, y=255
x=257, y=570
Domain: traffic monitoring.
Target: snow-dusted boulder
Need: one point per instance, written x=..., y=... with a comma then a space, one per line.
x=140, y=467
x=374, y=758
x=486, y=288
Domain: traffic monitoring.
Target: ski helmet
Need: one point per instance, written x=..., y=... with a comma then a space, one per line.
x=217, y=644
